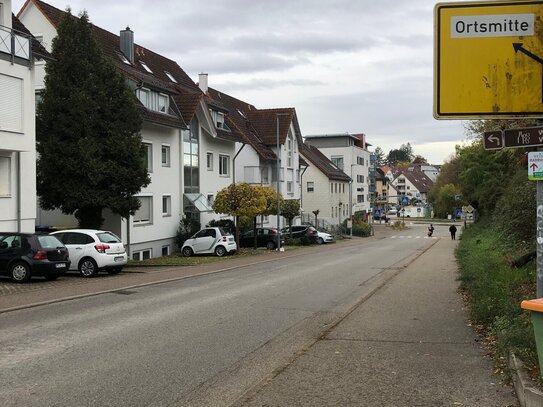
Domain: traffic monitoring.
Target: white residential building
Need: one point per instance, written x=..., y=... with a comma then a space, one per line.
x=19, y=54
x=325, y=189
x=349, y=152
x=176, y=127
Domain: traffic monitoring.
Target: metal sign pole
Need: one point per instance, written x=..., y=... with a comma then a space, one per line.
x=539, y=239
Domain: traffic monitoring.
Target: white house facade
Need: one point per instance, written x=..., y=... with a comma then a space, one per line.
x=168, y=101
x=325, y=189
x=349, y=152
x=18, y=56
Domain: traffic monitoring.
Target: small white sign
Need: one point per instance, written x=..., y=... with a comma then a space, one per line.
x=499, y=25
x=535, y=165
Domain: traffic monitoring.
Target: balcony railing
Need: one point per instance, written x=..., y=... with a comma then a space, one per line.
x=15, y=44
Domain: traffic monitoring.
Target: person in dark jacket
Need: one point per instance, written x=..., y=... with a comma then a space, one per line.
x=452, y=229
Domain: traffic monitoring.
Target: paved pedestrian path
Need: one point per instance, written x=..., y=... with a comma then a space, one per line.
x=409, y=344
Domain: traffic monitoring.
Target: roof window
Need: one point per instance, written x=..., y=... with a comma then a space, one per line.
x=241, y=114
x=169, y=75
x=146, y=67
x=124, y=59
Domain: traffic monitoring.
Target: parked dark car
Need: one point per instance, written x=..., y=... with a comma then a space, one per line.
x=265, y=237
x=24, y=255
x=300, y=231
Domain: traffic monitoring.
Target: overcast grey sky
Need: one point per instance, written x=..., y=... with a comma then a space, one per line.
x=359, y=66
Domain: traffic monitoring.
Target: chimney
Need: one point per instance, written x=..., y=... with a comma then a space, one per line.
x=127, y=44
x=202, y=82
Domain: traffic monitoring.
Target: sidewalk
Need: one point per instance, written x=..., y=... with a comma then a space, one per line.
x=407, y=345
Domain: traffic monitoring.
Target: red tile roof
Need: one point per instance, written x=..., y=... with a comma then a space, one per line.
x=185, y=91
x=319, y=160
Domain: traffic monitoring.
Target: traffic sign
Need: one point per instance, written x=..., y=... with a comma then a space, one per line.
x=470, y=209
x=488, y=59
x=493, y=140
x=528, y=137
x=535, y=165
x=405, y=200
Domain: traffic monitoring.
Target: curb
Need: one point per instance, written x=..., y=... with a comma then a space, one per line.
x=527, y=394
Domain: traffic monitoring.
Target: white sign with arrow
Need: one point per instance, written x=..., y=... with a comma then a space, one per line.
x=535, y=165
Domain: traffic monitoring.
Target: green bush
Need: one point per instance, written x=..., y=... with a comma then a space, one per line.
x=360, y=226
x=495, y=289
x=187, y=227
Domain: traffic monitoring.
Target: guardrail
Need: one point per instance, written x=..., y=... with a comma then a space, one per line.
x=15, y=44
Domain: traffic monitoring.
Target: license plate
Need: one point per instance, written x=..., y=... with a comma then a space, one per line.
x=60, y=265
x=119, y=258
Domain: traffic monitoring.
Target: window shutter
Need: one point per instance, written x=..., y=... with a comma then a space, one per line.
x=11, y=104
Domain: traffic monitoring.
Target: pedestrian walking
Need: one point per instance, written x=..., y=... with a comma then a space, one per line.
x=452, y=229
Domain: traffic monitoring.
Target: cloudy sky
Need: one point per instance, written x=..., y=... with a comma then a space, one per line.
x=361, y=66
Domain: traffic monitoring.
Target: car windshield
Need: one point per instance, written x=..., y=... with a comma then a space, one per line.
x=49, y=242
x=108, y=237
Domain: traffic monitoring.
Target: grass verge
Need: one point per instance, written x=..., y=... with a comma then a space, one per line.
x=494, y=290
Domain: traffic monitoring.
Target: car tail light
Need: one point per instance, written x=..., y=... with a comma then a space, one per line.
x=101, y=248
x=40, y=255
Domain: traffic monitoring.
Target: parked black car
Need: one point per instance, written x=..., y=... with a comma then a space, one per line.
x=24, y=255
x=265, y=237
x=300, y=231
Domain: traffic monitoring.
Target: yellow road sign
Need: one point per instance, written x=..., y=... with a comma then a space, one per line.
x=488, y=59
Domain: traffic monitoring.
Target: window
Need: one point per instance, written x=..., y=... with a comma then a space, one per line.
x=145, y=213
x=360, y=178
x=11, y=103
x=166, y=205
x=332, y=212
x=142, y=254
x=224, y=164
x=218, y=119
x=148, y=147
x=337, y=160
x=170, y=76
x=165, y=250
x=5, y=176
x=331, y=187
x=289, y=187
x=191, y=163
x=297, y=176
x=265, y=177
x=360, y=198
x=165, y=156
x=335, y=187
x=210, y=161
x=123, y=58
x=360, y=160
x=310, y=186
x=289, y=152
x=146, y=67
x=210, y=199
x=152, y=100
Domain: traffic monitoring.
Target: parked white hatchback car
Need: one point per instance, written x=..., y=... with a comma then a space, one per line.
x=323, y=237
x=208, y=241
x=93, y=250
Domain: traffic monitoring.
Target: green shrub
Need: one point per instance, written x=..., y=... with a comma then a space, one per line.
x=292, y=241
x=495, y=289
x=187, y=227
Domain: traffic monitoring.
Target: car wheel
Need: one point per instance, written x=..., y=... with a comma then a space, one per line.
x=187, y=251
x=88, y=267
x=51, y=277
x=114, y=270
x=20, y=272
x=320, y=240
x=270, y=245
x=220, y=251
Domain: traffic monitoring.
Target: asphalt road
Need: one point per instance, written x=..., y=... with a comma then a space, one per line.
x=199, y=341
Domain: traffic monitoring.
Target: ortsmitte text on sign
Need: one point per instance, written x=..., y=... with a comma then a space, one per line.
x=499, y=25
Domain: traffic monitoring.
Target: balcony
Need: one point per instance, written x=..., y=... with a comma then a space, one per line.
x=15, y=46
x=256, y=175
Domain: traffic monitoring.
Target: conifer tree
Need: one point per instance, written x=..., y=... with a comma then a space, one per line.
x=91, y=155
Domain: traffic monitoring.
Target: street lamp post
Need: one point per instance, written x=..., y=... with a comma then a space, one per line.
x=351, y=201
x=278, y=182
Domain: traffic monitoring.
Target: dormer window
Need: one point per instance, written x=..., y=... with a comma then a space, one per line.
x=146, y=67
x=169, y=75
x=152, y=100
x=218, y=119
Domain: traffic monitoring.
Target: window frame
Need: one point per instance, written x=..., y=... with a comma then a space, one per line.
x=5, y=176
x=167, y=162
x=148, y=146
x=167, y=199
x=209, y=162
x=144, y=221
x=224, y=172
x=312, y=186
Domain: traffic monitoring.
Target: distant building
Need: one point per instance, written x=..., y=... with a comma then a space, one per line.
x=349, y=152
x=412, y=182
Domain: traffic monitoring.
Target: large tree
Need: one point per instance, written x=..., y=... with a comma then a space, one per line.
x=91, y=155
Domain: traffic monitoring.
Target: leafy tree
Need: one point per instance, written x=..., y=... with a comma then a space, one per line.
x=419, y=159
x=443, y=200
x=90, y=152
x=290, y=209
x=240, y=200
x=270, y=195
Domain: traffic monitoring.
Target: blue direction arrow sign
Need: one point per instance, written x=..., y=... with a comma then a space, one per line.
x=493, y=140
